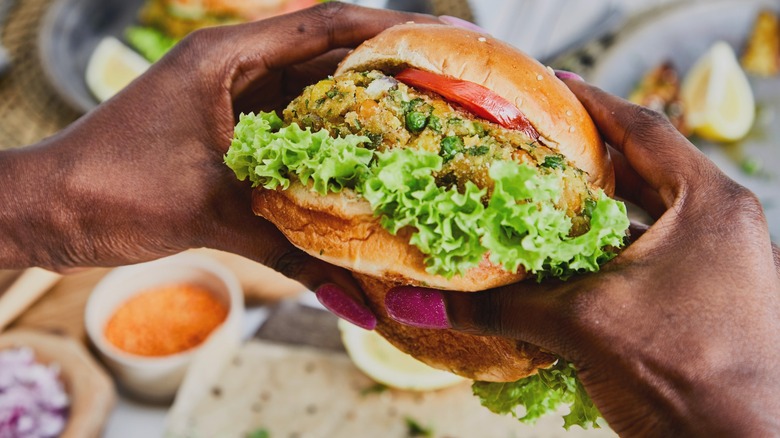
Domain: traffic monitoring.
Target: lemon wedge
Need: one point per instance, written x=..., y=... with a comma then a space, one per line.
x=112, y=67
x=386, y=364
x=718, y=97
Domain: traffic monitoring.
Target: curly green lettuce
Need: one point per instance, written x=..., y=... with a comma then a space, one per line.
x=535, y=234
x=403, y=192
x=519, y=226
x=270, y=155
x=541, y=394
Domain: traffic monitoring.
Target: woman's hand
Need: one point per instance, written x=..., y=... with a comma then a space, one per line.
x=142, y=176
x=680, y=334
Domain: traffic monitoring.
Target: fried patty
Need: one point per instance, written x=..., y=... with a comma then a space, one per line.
x=394, y=115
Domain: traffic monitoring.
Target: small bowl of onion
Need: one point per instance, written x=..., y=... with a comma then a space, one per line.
x=51, y=387
x=150, y=321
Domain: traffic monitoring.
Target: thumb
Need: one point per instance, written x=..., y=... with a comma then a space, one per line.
x=529, y=312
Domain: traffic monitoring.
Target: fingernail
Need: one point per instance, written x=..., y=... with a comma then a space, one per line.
x=344, y=306
x=417, y=307
x=459, y=22
x=563, y=74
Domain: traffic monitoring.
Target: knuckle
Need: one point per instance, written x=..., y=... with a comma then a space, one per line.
x=721, y=208
x=488, y=317
x=741, y=204
x=198, y=50
x=475, y=313
x=326, y=16
x=323, y=13
x=199, y=39
x=647, y=127
x=740, y=194
x=329, y=10
x=289, y=262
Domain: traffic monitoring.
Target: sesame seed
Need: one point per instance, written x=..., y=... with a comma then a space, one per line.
x=481, y=39
x=540, y=77
x=550, y=69
x=410, y=22
x=571, y=129
x=569, y=113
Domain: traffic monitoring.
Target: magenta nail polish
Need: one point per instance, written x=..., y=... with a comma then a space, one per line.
x=344, y=306
x=459, y=22
x=417, y=307
x=563, y=74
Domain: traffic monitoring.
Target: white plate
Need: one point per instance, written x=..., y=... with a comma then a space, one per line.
x=681, y=35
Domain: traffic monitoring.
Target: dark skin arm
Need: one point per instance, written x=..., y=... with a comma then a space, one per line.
x=142, y=176
x=680, y=334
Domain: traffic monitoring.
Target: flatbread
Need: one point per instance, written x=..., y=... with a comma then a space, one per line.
x=300, y=391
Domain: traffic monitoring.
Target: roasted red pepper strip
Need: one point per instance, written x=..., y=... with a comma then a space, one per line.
x=473, y=97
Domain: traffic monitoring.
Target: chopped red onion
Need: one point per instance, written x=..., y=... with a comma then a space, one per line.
x=33, y=402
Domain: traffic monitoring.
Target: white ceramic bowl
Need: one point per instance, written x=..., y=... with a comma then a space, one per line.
x=158, y=378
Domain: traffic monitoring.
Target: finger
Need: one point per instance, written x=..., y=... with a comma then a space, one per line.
x=527, y=311
x=295, y=38
x=256, y=97
x=631, y=187
x=300, y=75
x=659, y=154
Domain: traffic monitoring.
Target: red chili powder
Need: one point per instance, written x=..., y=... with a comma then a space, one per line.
x=166, y=320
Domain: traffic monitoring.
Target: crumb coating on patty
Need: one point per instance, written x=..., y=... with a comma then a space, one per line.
x=394, y=115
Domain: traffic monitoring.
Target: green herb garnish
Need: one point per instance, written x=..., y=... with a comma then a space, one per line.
x=415, y=429
x=751, y=166
x=450, y=146
x=478, y=150
x=435, y=124
x=259, y=433
x=554, y=162
x=412, y=104
x=376, y=388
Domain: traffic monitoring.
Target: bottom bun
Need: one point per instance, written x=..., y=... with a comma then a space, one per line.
x=486, y=358
x=341, y=229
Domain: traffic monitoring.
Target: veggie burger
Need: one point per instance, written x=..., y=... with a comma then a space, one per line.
x=439, y=157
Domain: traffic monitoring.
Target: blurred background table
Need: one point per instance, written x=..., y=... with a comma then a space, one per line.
x=30, y=108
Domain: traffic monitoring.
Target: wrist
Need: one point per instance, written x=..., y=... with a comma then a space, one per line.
x=36, y=210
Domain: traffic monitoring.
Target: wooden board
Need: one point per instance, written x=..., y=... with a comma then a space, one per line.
x=61, y=310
